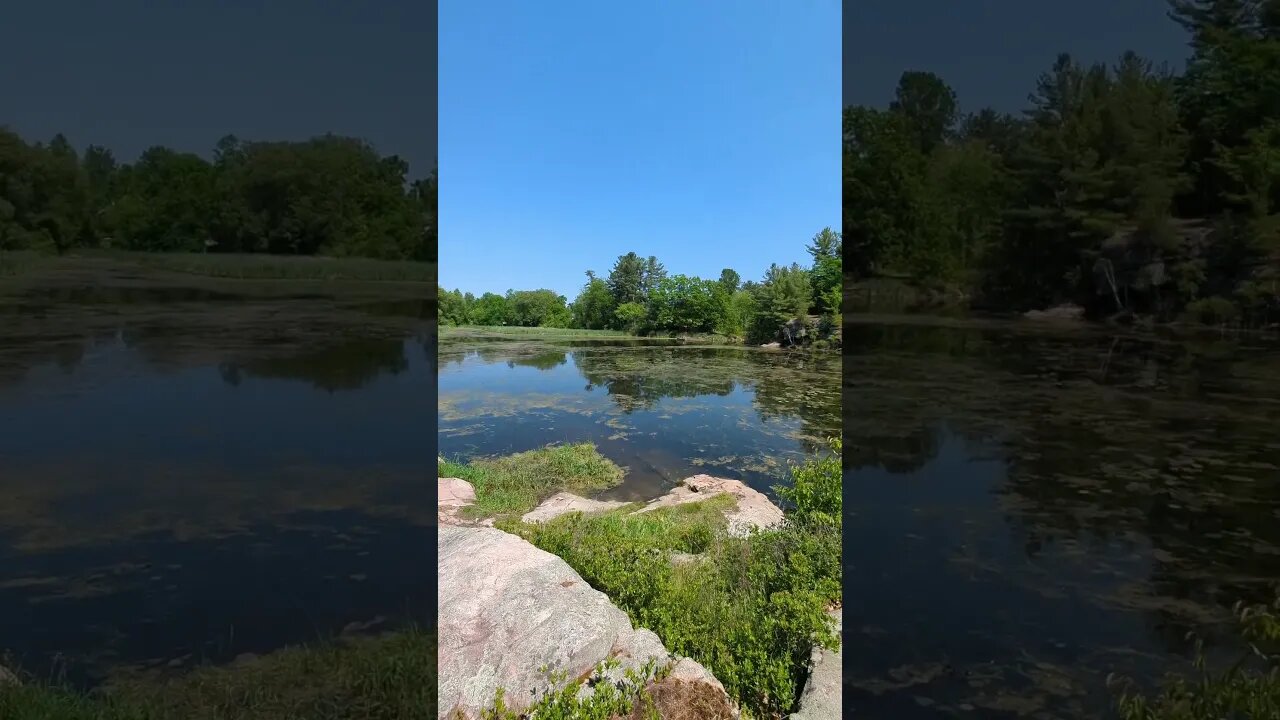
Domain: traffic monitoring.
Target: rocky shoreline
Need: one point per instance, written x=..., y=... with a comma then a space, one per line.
x=509, y=611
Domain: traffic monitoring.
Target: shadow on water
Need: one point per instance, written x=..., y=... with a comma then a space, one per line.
x=663, y=412
x=1081, y=501
x=176, y=492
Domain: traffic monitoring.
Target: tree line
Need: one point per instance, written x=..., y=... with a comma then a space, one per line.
x=329, y=195
x=639, y=296
x=1123, y=188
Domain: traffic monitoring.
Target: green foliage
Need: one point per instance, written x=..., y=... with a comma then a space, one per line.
x=609, y=698
x=1095, y=195
x=517, y=483
x=537, y=308
x=827, y=275
x=377, y=678
x=749, y=609
x=687, y=303
x=325, y=196
x=594, y=307
x=630, y=317
x=1249, y=688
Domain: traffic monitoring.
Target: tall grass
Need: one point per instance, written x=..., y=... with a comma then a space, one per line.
x=517, y=483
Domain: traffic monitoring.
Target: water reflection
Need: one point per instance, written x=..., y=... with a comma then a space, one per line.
x=1081, y=500
x=174, y=494
x=662, y=411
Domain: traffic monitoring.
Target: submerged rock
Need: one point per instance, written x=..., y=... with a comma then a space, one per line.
x=821, y=697
x=509, y=612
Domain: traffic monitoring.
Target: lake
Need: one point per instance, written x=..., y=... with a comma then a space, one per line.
x=1030, y=509
x=662, y=411
x=197, y=469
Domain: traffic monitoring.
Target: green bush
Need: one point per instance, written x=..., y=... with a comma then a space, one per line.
x=749, y=609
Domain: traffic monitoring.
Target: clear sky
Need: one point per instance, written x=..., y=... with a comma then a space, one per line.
x=129, y=74
x=706, y=133
x=992, y=51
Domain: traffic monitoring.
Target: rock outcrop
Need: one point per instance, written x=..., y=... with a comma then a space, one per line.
x=507, y=611
x=822, y=692
x=754, y=509
x=566, y=502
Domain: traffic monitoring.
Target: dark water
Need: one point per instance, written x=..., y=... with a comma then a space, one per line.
x=1029, y=511
x=190, y=482
x=661, y=412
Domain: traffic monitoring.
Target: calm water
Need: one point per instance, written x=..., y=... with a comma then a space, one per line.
x=1028, y=511
x=662, y=412
x=185, y=481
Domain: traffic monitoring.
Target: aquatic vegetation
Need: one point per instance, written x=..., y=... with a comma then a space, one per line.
x=517, y=483
x=1250, y=688
x=388, y=677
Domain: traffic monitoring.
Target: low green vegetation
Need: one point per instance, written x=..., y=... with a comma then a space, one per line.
x=491, y=331
x=515, y=484
x=1250, y=688
x=16, y=263
x=390, y=677
x=246, y=266
x=1125, y=188
x=749, y=609
x=793, y=304
x=330, y=195
x=560, y=700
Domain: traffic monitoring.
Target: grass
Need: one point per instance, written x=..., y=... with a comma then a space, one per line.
x=515, y=484
x=282, y=267
x=389, y=677
x=748, y=609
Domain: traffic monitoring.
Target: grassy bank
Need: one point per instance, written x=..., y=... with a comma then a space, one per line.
x=389, y=677
x=515, y=484
x=237, y=266
x=749, y=609
x=504, y=331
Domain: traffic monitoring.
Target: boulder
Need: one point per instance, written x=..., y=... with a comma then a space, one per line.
x=566, y=502
x=1057, y=313
x=452, y=495
x=821, y=697
x=8, y=678
x=507, y=610
x=754, y=509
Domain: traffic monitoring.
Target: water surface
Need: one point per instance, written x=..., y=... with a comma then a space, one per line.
x=663, y=412
x=1029, y=510
x=195, y=473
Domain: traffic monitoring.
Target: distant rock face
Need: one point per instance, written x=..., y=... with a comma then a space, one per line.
x=506, y=609
x=822, y=692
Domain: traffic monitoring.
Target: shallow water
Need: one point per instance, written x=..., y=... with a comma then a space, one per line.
x=187, y=481
x=663, y=412
x=1030, y=510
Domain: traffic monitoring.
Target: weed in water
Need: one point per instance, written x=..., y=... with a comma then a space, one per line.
x=517, y=483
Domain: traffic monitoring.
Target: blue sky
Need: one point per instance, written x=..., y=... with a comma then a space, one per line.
x=705, y=133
